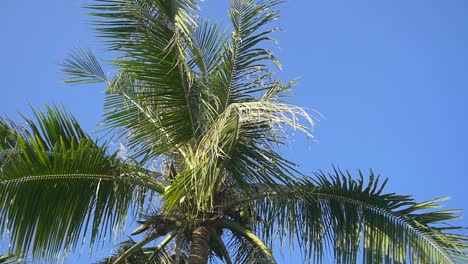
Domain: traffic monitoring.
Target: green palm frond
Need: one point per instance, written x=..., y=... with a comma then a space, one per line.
x=137, y=257
x=125, y=23
x=336, y=211
x=241, y=146
x=219, y=249
x=247, y=247
x=9, y=259
x=244, y=70
x=163, y=253
x=57, y=184
x=264, y=126
x=153, y=102
x=138, y=113
x=206, y=45
x=82, y=67
x=246, y=252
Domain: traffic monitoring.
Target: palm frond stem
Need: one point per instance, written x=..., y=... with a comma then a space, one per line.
x=249, y=235
x=219, y=242
x=151, y=183
x=135, y=247
x=163, y=243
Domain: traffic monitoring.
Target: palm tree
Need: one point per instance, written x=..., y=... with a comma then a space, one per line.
x=200, y=118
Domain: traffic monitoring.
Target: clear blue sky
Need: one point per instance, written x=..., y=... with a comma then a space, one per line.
x=390, y=78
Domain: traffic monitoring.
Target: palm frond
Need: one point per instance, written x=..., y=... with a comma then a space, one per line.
x=125, y=23
x=83, y=67
x=206, y=45
x=136, y=257
x=218, y=246
x=139, y=113
x=240, y=145
x=135, y=250
x=163, y=253
x=152, y=100
x=336, y=211
x=246, y=252
x=245, y=248
x=10, y=259
x=57, y=184
x=244, y=70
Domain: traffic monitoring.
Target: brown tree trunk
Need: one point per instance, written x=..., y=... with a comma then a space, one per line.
x=200, y=247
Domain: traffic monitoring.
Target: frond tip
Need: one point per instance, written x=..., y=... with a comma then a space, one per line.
x=83, y=67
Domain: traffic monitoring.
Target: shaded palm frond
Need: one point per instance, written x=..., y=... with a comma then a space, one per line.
x=338, y=212
x=57, y=184
x=218, y=248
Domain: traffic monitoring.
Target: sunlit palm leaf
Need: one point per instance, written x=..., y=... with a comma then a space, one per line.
x=125, y=23
x=335, y=211
x=138, y=256
x=151, y=37
x=246, y=252
x=240, y=146
x=244, y=70
x=9, y=259
x=246, y=247
x=57, y=184
x=206, y=45
x=163, y=253
x=82, y=67
x=139, y=114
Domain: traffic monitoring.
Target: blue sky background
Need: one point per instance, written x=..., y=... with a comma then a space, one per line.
x=389, y=77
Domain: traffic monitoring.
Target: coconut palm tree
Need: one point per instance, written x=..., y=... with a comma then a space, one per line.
x=200, y=116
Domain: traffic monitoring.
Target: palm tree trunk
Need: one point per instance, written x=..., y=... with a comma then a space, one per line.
x=200, y=246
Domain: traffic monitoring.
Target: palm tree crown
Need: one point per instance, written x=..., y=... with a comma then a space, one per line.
x=206, y=107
